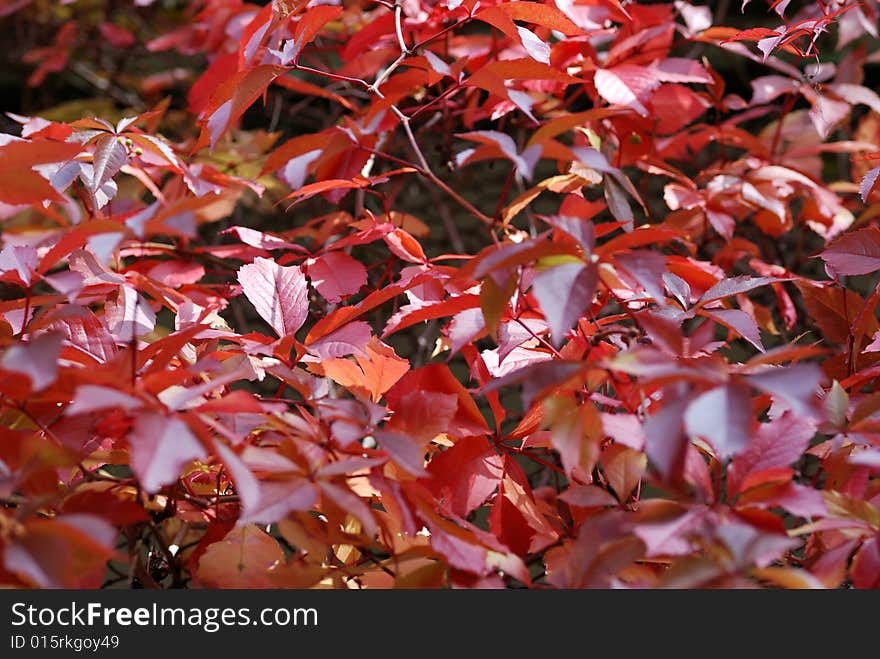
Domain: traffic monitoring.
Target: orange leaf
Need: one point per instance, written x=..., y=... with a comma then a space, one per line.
x=19, y=183
x=376, y=372
x=242, y=559
x=540, y=14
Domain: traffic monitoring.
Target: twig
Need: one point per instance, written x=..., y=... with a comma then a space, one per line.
x=398, y=27
x=540, y=340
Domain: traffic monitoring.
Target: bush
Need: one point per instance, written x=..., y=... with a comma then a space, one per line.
x=439, y=294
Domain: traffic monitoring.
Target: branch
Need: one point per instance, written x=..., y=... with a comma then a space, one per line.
x=398, y=27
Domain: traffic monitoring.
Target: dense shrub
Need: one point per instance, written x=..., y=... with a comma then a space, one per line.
x=575, y=293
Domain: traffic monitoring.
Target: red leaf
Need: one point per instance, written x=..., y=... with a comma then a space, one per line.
x=438, y=378
x=67, y=551
x=674, y=107
x=107, y=501
x=575, y=432
x=278, y=293
x=516, y=518
x=423, y=415
x=116, y=36
x=405, y=246
x=340, y=317
x=519, y=69
x=83, y=329
x=368, y=35
x=865, y=570
x=416, y=313
x=232, y=97
x=624, y=469
x=799, y=500
x=465, y=475
x=312, y=21
x=222, y=68
x=318, y=187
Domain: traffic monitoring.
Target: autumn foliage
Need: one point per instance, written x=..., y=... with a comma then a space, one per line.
x=441, y=293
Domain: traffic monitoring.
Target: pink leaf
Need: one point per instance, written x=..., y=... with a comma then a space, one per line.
x=588, y=496
x=776, y=444
x=874, y=346
x=403, y=450
x=262, y=240
x=722, y=415
x=19, y=259
x=83, y=330
x=513, y=334
x=740, y=322
x=680, y=69
x=265, y=502
x=733, y=286
x=578, y=281
x=583, y=231
x=110, y=156
x=794, y=385
x=37, y=359
x=827, y=113
x=160, y=447
x=525, y=161
x=464, y=327
x=130, y=316
x=855, y=253
x=868, y=182
x=626, y=85
x=670, y=535
x=90, y=397
x=624, y=429
x=336, y=275
x=535, y=47
x=278, y=293
x=766, y=89
x=348, y=340
x=647, y=268
x=856, y=95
